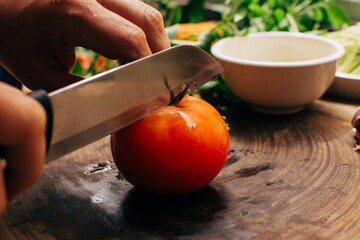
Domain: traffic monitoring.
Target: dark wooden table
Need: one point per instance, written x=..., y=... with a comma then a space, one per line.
x=286, y=177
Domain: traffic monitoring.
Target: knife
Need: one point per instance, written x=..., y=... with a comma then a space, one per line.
x=95, y=107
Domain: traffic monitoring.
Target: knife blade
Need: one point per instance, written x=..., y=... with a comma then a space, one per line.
x=95, y=107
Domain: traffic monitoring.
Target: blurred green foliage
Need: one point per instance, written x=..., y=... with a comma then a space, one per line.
x=236, y=17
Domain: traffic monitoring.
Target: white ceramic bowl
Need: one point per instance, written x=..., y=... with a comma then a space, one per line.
x=346, y=86
x=278, y=72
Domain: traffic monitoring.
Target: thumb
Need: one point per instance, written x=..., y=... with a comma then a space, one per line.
x=35, y=75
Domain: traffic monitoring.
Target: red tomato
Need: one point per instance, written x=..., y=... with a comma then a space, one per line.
x=101, y=65
x=85, y=61
x=176, y=149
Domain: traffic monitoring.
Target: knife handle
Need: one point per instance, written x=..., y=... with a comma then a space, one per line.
x=42, y=97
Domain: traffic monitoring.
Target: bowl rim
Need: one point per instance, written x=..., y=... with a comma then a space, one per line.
x=347, y=76
x=338, y=53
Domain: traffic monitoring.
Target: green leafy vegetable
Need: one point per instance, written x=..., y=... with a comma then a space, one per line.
x=269, y=15
x=194, y=11
x=350, y=38
x=77, y=69
x=170, y=9
x=336, y=16
x=240, y=17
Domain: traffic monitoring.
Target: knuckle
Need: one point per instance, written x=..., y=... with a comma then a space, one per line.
x=154, y=19
x=137, y=39
x=75, y=8
x=66, y=2
x=62, y=3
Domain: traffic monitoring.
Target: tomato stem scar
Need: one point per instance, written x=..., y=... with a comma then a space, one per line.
x=176, y=99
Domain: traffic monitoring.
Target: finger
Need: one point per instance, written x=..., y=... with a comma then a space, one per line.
x=144, y=16
x=22, y=130
x=3, y=195
x=48, y=78
x=46, y=69
x=107, y=33
x=36, y=75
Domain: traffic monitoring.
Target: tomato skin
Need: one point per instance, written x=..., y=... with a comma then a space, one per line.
x=176, y=149
x=85, y=61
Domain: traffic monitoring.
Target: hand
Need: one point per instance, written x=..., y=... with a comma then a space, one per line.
x=38, y=36
x=22, y=129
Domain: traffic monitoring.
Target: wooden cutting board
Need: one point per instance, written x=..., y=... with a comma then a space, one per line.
x=286, y=177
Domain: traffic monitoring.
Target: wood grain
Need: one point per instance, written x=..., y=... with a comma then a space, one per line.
x=286, y=177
